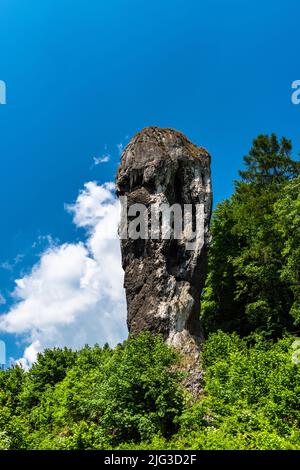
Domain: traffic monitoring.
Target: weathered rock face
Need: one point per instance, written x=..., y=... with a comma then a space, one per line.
x=163, y=278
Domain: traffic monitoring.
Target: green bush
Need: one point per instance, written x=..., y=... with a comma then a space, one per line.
x=131, y=398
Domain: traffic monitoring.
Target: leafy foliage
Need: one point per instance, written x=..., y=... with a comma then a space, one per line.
x=253, y=282
x=269, y=161
x=93, y=398
x=251, y=401
x=131, y=397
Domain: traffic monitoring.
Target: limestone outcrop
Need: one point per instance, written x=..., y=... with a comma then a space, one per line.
x=164, y=276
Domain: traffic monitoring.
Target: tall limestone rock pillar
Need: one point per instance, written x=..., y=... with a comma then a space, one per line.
x=164, y=274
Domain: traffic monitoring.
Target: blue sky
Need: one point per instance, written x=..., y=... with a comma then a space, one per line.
x=83, y=77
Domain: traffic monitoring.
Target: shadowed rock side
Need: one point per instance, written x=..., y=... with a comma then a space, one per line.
x=163, y=279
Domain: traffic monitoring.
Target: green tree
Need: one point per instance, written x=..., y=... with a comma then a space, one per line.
x=287, y=219
x=245, y=288
x=13, y=426
x=50, y=368
x=138, y=395
x=269, y=161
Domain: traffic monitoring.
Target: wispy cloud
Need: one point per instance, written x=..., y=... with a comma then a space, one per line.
x=106, y=157
x=103, y=159
x=45, y=240
x=2, y=300
x=6, y=266
x=120, y=148
x=10, y=265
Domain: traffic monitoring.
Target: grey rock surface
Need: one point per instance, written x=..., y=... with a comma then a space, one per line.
x=164, y=279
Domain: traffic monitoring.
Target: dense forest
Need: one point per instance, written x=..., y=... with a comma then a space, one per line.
x=131, y=397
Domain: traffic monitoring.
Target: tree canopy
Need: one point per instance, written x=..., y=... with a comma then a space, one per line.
x=253, y=282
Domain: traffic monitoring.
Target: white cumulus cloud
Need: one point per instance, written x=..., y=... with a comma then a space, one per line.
x=74, y=295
